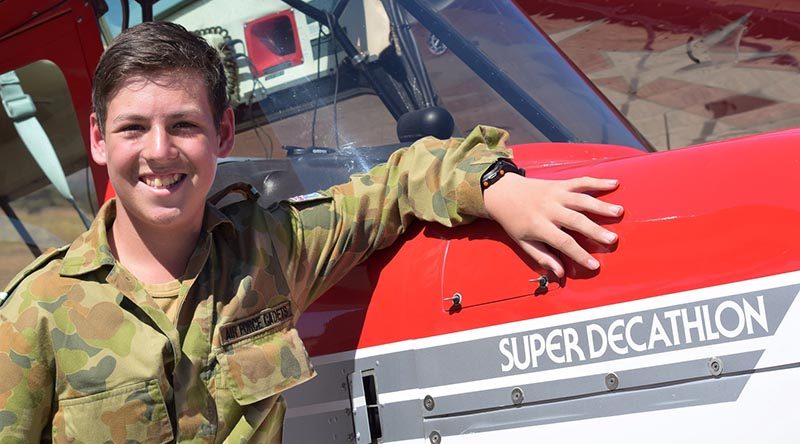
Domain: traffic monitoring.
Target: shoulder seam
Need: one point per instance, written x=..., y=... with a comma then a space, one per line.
x=34, y=266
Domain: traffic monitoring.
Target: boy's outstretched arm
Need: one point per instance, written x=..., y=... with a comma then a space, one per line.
x=534, y=211
x=319, y=238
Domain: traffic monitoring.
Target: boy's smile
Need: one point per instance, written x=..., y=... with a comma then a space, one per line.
x=160, y=145
x=162, y=181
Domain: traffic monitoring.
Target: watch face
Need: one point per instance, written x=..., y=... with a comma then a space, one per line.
x=435, y=46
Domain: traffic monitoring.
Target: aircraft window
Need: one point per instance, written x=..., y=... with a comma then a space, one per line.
x=468, y=98
x=111, y=22
x=324, y=5
x=522, y=53
x=308, y=79
x=361, y=121
x=31, y=206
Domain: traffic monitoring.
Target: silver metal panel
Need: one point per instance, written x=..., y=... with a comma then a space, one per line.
x=334, y=426
x=555, y=391
x=402, y=420
x=707, y=391
x=396, y=371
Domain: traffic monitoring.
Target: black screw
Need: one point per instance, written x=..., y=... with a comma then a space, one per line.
x=428, y=403
x=541, y=284
x=455, y=299
x=543, y=281
x=435, y=437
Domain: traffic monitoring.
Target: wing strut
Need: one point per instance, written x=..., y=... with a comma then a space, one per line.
x=21, y=110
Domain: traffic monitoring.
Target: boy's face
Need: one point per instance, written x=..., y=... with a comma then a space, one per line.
x=160, y=146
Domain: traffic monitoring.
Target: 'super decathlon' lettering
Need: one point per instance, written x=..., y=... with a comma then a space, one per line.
x=719, y=320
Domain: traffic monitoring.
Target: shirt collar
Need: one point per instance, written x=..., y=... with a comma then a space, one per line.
x=91, y=251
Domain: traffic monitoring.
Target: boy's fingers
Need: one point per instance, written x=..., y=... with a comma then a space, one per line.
x=538, y=251
x=583, y=184
x=584, y=202
x=564, y=243
x=578, y=222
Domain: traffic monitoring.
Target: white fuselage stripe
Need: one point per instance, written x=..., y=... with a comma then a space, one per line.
x=511, y=328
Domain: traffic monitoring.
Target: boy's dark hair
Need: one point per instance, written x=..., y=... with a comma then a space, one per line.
x=154, y=47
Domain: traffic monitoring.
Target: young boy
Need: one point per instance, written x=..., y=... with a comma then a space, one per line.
x=170, y=319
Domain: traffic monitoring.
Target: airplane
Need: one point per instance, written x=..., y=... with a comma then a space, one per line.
x=453, y=335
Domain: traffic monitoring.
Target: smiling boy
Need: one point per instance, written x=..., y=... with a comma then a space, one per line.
x=173, y=320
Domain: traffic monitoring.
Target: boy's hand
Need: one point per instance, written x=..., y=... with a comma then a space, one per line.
x=533, y=211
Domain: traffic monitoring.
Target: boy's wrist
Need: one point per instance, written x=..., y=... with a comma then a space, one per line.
x=497, y=171
x=496, y=196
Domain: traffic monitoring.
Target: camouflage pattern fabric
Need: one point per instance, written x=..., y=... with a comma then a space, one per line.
x=86, y=355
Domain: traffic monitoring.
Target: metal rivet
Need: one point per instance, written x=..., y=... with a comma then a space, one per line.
x=435, y=437
x=428, y=403
x=455, y=299
x=542, y=282
x=612, y=381
x=517, y=396
x=715, y=366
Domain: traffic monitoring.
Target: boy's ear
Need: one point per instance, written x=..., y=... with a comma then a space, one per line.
x=97, y=140
x=227, y=128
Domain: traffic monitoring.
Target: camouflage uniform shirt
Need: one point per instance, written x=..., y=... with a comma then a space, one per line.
x=86, y=355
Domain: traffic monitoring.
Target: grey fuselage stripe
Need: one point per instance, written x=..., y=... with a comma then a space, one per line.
x=590, y=385
x=758, y=314
x=700, y=392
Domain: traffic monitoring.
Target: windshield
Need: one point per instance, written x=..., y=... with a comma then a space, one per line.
x=323, y=84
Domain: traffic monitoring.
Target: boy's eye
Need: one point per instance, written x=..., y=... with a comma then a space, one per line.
x=132, y=128
x=184, y=125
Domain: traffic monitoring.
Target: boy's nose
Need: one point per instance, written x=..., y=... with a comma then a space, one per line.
x=159, y=145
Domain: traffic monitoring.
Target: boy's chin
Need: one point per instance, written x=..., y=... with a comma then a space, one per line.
x=172, y=218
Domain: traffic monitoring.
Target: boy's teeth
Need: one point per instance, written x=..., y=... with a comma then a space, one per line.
x=162, y=182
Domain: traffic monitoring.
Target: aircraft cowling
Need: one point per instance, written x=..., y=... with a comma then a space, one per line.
x=697, y=217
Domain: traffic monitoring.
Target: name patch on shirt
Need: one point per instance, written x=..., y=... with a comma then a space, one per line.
x=255, y=324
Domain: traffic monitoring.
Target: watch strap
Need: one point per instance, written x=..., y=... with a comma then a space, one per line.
x=498, y=170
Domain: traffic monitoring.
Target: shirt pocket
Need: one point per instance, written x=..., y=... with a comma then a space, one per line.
x=131, y=413
x=263, y=365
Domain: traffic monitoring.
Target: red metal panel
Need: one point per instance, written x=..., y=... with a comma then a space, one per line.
x=17, y=13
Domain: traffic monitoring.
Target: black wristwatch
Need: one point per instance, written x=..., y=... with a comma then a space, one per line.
x=498, y=170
